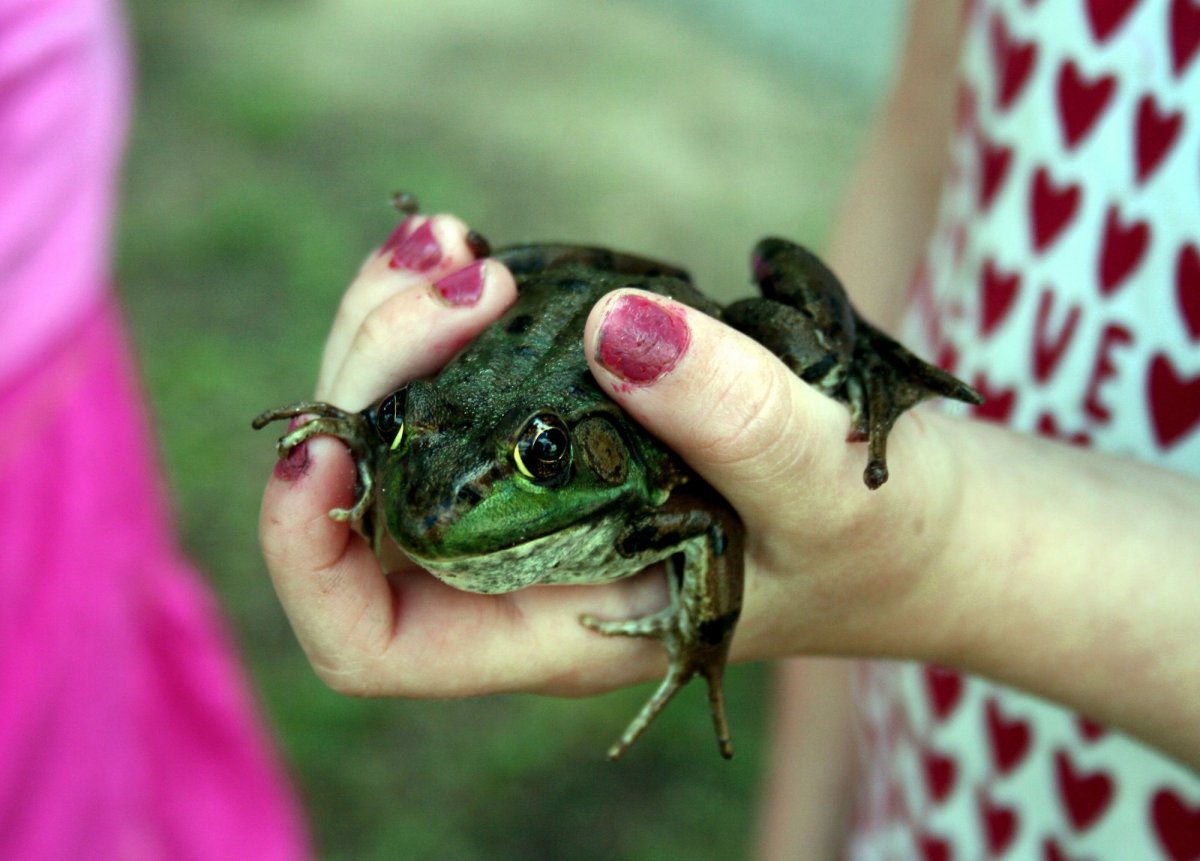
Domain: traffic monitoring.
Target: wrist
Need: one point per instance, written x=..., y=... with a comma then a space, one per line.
x=870, y=576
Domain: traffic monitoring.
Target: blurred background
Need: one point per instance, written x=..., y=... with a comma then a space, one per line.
x=267, y=140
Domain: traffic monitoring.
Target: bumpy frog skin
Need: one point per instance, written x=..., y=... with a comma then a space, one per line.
x=511, y=467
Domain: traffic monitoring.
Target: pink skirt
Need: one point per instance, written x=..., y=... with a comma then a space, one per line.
x=126, y=727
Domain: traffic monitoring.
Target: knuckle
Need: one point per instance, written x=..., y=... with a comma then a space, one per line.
x=349, y=681
x=752, y=416
x=380, y=331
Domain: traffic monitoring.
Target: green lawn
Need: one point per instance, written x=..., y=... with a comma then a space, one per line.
x=268, y=138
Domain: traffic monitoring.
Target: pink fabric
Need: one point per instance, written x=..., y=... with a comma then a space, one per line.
x=63, y=93
x=126, y=729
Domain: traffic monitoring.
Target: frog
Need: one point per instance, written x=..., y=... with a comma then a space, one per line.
x=510, y=467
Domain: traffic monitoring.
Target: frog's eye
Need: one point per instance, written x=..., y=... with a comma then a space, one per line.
x=388, y=419
x=543, y=449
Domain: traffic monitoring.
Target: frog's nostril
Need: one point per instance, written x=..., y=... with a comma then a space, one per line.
x=468, y=494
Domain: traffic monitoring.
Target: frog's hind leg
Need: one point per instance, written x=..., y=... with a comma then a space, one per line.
x=806, y=318
x=885, y=380
x=659, y=626
x=682, y=667
x=696, y=627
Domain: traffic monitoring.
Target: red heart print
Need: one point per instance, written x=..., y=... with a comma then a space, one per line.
x=1154, y=134
x=1090, y=730
x=1051, y=851
x=1080, y=101
x=1174, y=402
x=934, y=848
x=1013, y=61
x=1105, y=16
x=895, y=727
x=940, y=772
x=1185, y=33
x=994, y=162
x=966, y=105
x=945, y=688
x=1000, y=290
x=1047, y=426
x=999, y=825
x=958, y=243
x=1085, y=797
x=1053, y=207
x=947, y=357
x=1009, y=738
x=998, y=404
x=1048, y=349
x=1121, y=250
x=1177, y=826
x=1187, y=288
x=896, y=808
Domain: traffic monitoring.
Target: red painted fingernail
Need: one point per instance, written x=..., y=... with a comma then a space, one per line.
x=294, y=465
x=403, y=230
x=419, y=251
x=463, y=287
x=640, y=340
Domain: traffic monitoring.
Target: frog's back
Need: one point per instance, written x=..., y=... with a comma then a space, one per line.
x=534, y=353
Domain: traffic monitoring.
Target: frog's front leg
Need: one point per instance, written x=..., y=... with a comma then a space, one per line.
x=806, y=318
x=326, y=419
x=696, y=628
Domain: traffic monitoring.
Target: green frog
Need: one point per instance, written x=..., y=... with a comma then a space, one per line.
x=511, y=467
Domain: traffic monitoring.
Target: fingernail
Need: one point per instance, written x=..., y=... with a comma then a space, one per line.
x=403, y=230
x=478, y=244
x=640, y=340
x=294, y=465
x=463, y=287
x=419, y=251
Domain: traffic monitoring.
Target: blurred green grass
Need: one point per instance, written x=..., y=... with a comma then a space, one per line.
x=267, y=140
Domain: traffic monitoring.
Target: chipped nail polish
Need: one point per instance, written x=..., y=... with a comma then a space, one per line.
x=641, y=340
x=419, y=251
x=463, y=287
x=403, y=230
x=294, y=465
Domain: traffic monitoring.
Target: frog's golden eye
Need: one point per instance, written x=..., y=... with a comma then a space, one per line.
x=543, y=449
x=388, y=419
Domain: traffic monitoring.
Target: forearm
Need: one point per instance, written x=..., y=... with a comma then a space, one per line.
x=1074, y=575
x=890, y=205
x=806, y=799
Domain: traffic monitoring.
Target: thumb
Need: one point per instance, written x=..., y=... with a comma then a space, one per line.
x=753, y=430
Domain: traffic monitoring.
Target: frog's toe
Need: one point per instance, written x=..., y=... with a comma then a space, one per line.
x=714, y=675
x=676, y=678
x=366, y=492
x=876, y=474
x=656, y=625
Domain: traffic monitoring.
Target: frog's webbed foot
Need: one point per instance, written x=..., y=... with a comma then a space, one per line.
x=683, y=664
x=696, y=627
x=350, y=428
x=885, y=379
x=806, y=318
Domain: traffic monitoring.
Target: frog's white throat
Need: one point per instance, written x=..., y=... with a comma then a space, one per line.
x=581, y=554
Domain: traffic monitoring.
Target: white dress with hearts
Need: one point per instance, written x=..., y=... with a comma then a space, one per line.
x=1063, y=281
